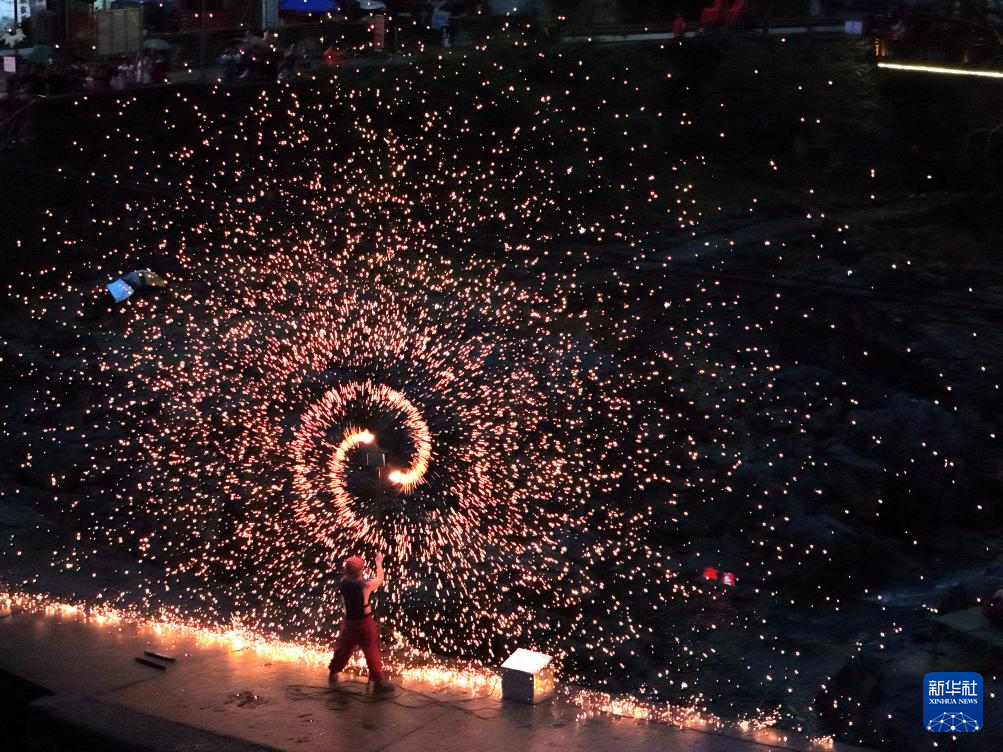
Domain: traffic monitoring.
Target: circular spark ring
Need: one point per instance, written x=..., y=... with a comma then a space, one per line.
x=311, y=445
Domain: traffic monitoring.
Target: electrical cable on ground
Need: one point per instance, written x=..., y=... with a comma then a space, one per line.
x=337, y=694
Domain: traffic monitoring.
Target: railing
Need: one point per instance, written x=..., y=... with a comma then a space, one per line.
x=945, y=49
x=660, y=31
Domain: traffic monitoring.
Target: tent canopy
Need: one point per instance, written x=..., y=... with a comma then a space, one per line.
x=309, y=6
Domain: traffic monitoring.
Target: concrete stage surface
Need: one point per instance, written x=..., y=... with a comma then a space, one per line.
x=214, y=697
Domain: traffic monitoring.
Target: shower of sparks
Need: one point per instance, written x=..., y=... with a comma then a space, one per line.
x=572, y=432
x=433, y=292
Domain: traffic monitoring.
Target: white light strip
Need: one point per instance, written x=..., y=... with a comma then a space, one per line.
x=944, y=71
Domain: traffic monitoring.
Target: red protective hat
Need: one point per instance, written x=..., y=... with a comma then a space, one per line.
x=354, y=566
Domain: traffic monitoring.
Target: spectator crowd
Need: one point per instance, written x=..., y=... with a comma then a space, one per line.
x=62, y=77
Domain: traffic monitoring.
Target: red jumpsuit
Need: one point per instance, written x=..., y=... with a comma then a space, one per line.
x=358, y=630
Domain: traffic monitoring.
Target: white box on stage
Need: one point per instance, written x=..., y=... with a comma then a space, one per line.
x=527, y=676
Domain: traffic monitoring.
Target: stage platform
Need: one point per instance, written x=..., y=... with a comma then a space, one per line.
x=215, y=697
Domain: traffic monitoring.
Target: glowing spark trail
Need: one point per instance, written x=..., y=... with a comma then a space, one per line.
x=330, y=413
